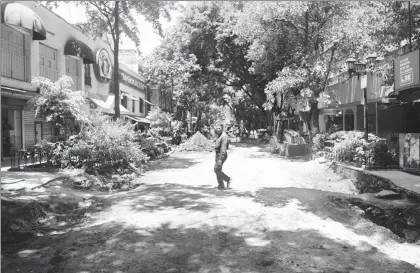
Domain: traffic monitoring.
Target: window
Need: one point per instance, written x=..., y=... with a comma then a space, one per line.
x=141, y=105
x=133, y=108
x=88, y=79
x=15, y=53
x=124, y=101
x=73, y=71
x=148, y=106
x=48, y=62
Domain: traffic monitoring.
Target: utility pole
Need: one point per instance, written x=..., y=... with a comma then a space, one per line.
x=365, y=113
x=172, y=91
x=409, y=22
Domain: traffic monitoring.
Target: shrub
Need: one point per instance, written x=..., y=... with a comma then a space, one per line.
x=319, y=142
x=58, y=104
x=104, y=142
x=351, y=147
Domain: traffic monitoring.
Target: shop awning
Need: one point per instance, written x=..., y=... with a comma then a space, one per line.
x=389, y=100
x=139, y=119
x=19, y=15
x=108, y=105
x=129, y=96
x=77, y=48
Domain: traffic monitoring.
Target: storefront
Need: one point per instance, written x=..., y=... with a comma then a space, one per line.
x=133, y=93
x=20, y=26
x=342, y=103
x=407, y=88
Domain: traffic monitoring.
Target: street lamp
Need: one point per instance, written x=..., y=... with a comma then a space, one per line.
x=371, y=59
x=350, y=63
x=360, y=69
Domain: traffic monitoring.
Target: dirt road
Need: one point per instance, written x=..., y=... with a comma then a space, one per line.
x=280, y=216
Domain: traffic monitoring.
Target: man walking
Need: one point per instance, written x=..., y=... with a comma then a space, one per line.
x=221, y=147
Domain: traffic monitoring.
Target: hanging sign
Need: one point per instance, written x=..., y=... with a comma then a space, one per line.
x=407, y=71
x=103, y=65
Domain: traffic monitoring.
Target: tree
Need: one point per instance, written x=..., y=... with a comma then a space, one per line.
x=111, y=19
x=159, y=119
x=59, y=105
x=219, y=62
x=279, y=54
x=297, y=46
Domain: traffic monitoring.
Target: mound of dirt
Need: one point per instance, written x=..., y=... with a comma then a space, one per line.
x=23, y=219
x=197, y=143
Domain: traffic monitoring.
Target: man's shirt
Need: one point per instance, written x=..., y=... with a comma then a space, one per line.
x=221, y=144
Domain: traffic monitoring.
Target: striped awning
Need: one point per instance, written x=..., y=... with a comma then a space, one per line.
x=21, y=16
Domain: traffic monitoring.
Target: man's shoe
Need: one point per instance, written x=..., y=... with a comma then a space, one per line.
x=228, y=183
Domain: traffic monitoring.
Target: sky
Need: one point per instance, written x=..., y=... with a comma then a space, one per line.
x=148, y=38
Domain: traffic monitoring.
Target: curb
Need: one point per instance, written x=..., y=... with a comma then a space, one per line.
x=367, y=182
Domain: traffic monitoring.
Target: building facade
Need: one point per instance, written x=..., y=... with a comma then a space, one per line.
x=36, y=42
x=134, y=94
x=393, y=104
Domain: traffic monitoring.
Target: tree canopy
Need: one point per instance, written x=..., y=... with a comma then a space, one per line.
x=279, y=54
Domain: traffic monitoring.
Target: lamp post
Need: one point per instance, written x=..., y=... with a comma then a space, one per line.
x=352, y=70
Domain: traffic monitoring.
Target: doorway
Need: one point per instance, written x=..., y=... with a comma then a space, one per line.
x=11, y=131
x=39, y=134
x=349, y=120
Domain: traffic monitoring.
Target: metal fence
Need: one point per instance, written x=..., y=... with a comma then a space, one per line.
x=46, y=158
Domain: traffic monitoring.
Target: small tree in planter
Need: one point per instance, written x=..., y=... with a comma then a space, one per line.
x=59, y=105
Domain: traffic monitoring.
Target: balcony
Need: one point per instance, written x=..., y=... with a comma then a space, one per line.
x=14, y=66
x=48, y=73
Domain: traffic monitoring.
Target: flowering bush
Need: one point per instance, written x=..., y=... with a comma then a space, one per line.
x=58, y=104
x=104, y=142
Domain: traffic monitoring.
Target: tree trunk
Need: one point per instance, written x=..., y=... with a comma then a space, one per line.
x=116, y=66
x=197, y=125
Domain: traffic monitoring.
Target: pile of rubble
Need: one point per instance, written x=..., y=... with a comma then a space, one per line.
x=197, y=143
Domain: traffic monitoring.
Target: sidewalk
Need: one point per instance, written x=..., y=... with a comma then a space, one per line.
x=401, y=179
x=12, y=181
x=375, y=181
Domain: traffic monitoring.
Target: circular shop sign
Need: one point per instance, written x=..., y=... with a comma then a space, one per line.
x=103, y=65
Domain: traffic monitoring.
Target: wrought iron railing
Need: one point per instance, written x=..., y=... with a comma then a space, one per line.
x=14, y=65
x=47, y=158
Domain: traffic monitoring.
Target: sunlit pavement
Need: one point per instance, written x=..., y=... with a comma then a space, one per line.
x=279, y=216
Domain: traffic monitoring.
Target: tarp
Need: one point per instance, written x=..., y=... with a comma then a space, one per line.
x=108, y=105
x=139, y=119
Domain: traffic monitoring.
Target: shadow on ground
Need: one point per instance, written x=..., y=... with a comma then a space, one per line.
x=173, y=162
x=144, y=231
